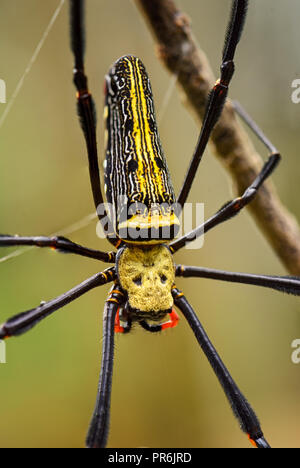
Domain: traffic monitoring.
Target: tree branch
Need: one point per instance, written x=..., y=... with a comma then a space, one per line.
x=179, y=53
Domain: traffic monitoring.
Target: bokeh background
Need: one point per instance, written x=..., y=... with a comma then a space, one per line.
x=164, y=393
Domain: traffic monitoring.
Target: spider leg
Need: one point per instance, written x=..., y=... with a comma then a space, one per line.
x=287, y=284
x=24, y=321
x=240, y=406
x=254, y=127
x=218, y=94
x=86, y=107
x=99, y=426
x=231, y=208
x=61, y=244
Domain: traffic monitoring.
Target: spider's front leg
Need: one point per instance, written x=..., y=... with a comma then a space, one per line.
x=86, y=108
x=218, y=95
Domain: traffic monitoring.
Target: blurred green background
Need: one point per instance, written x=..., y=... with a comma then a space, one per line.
x=164, y=393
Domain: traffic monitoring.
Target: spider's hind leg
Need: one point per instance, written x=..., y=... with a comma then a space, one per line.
x=233, y=207
x=244, y=413
x=99, y=426
x=254, y=127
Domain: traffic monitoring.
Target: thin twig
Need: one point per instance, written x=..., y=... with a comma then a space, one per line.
x=179, y=52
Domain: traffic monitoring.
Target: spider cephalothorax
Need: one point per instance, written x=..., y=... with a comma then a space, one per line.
x=147, y=276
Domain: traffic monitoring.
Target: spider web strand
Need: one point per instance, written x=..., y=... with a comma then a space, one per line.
x=30, y=63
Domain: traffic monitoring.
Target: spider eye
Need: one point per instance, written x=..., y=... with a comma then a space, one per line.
x=138, y=280
x=163, y=279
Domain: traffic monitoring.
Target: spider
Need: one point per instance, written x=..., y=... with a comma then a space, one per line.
x=143, y=275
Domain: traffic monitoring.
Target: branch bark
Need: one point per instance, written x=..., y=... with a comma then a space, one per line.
x=179, y=53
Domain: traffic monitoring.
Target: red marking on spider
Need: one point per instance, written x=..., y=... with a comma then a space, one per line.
x=174, y=319
x=118, y=327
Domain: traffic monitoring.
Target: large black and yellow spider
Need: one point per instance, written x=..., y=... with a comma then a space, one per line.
x=144, y=274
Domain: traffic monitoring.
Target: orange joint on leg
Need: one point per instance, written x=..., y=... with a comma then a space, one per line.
x=83, y=93
x=116, y=291
x=105, y=276
x=237, y=204
x=252, y=441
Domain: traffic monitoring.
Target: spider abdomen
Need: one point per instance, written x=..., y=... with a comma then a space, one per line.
x=137, y=179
